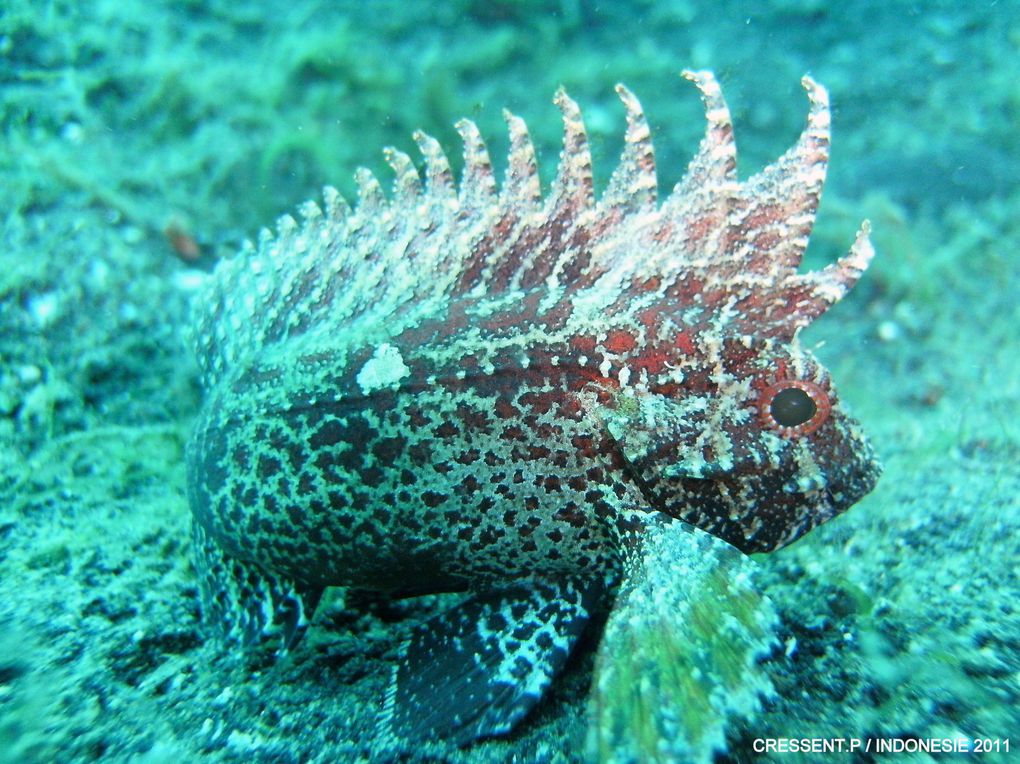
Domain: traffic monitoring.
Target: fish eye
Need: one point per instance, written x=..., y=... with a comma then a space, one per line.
x=794, y=407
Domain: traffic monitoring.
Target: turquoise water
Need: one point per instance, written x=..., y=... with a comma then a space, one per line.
x=141, y=142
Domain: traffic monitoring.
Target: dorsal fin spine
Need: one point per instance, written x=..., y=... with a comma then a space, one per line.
x=521, y=186
x=337, y=208
x=370, y=194
x=717, y=154
x=793, y=184
x=407, y=182
x=574, y=186
x=478, y=186
x=438, y=175
x=633, y=184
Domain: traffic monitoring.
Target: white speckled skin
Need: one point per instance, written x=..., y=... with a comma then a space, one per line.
x=465, y=387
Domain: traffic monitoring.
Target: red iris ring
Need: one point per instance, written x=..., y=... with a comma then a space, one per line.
x=817, y=395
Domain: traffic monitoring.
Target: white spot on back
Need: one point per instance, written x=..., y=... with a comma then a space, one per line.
x=385, y=368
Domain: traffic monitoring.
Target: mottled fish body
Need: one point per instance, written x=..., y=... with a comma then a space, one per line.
x=481, y=388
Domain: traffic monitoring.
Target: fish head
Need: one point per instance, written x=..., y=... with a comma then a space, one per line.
x=753, y=445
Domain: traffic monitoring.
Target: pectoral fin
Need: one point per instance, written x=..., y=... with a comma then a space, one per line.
x=244, y=604
x=477, y=669
x=679, y=659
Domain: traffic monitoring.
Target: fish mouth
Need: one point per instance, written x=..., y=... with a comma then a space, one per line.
x=827, y=507
x=857, y=484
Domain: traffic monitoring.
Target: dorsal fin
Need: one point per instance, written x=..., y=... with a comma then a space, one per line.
x=811, y=294
x=389, y=262
x=337, y=208
x=311, y=214
x=715, y=163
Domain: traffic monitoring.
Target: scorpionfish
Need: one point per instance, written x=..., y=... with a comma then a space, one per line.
x=560, y=403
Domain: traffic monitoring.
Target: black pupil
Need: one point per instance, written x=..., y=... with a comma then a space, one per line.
x=792, y=407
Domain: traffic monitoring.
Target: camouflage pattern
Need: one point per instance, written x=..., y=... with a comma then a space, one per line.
x=482, y=388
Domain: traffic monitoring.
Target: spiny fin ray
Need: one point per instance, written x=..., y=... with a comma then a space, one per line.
x=715, y=164
x=406, y=183
x=370, y=193
x=521, y=186
x=438, y=175
x=828, y=286
x=633, y=185
x=780, y=202
x=574, y=186
x=478, y=186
